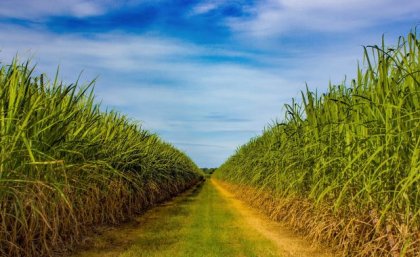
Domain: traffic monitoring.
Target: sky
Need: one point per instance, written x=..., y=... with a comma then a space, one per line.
x=205, y=76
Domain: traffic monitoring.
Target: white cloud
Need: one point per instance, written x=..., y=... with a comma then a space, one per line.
x=275, y=17
x=205, y=107
x=204, y=8
x=85, y=9
x=165, y=84
x=30, y=9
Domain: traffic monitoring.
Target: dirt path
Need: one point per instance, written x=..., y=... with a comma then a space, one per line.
x=207, y=221
x=289, y=244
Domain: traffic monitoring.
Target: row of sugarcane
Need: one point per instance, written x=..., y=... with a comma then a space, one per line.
x=344, y=166
x=67, y=166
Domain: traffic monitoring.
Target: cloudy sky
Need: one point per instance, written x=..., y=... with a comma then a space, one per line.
x=204, y=75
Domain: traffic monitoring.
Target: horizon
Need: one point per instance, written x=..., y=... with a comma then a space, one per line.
x=206, y=76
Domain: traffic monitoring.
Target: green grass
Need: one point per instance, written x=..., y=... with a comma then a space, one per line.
x=199, y=224
x=352, y=152
x=66, y=166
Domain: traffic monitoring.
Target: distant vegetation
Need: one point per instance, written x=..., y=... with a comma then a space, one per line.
x=208, y=171
x=344, y=166
x=66, y=166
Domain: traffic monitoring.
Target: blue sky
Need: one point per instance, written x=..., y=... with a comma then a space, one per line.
x=204, y=75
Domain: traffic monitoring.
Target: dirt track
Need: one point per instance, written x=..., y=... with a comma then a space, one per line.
x=207, y=221
x=288, y=243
